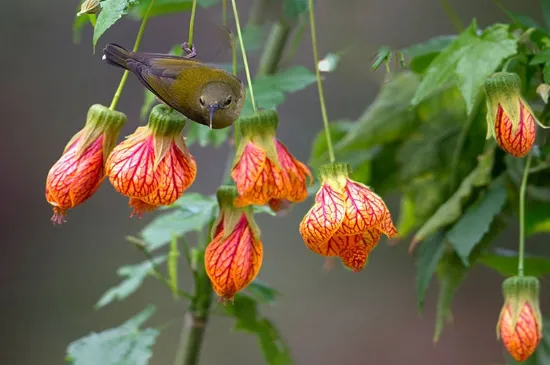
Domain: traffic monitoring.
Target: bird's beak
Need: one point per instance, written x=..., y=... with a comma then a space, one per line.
x=213, y=109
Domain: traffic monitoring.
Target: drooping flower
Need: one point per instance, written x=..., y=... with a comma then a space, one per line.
x=263, y=169
x=78, y=173
x=153, y=166
x=346, y=220
x=510, y=120
x=520, y=324
x=234, y=256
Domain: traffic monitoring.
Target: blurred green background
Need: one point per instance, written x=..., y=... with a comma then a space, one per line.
x=51, y=277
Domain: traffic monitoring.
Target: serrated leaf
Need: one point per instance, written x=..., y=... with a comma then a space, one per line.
x=388, y=118
x=537, y=217
x=194, y=212
x=505, y=262
x=111, y=12
x=133, y=275
x=248, y=319
x=468, y=61
x=476, y=221
x=451, y=210
x=421, y=55
x=165, y=7
x=541, y=356
x=407, y=218
x=428, y=256
x=253, y=37
x=123, y=345
x=261, y=292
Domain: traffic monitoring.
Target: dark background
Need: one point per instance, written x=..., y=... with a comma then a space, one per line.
x=50, y=277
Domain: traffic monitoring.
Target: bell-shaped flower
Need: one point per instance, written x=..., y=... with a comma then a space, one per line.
x=263, y=169
x=153, y=166
x=234, y=256
x=346, y=220
x=510, y=120
x=78, y=173
x=520, y=323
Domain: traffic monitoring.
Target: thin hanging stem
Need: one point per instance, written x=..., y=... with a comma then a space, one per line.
x=451, y=13
x=319, y=82
x=522, y=190
x=224, y=13
x=192, y=23
x=234, y=63
x=245, y=59
x=118, y=91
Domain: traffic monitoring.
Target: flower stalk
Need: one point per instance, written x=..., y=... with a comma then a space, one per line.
x=522, y=190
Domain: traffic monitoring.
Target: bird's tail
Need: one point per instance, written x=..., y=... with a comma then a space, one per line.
x=117, y=55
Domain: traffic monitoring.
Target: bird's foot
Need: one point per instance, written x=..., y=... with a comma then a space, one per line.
x=190, y=52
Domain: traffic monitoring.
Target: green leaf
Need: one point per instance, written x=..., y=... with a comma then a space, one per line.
x=259, y=209
x=294, y=8
x=421, y=55
x=542, y=354
x=248, y=319
x=123, y=345
x=546, y=12
x=111, y=12
x=546, y=72
x=407, y=219
x=537, y=217
x=133, y=275
x=468, y=61
x=505, y=262
x=79, y=22
x=204, y=136
x=194, y=212
x=428, y=256
x=541, y=57
x=269, y=90
x=451, y=210
x=253, y=37
x=476, y=221
x=387, y=119
x=383, y=55
x=261, y=292
x=165, y=7
x=173, y=258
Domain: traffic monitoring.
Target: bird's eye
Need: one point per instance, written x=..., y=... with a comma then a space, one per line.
x=201, y=100
x=228, y=100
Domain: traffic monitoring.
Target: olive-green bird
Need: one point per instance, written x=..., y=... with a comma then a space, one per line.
x=202, y=93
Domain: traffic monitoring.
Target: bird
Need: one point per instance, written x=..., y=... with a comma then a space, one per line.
x=201, y=92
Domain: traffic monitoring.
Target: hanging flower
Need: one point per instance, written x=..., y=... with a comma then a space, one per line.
x=346, y=220
x=78, y=173
x=510, y=120
x=234, y=257
x=520, y=324
x=263, y=169
x=153, y=166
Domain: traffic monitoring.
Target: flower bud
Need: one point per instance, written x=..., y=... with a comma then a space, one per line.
x=520, y=324
x=89, y=7
x=510, y=120
x=81, y=168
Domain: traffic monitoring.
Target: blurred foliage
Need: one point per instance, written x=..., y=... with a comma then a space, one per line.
x=422, y=137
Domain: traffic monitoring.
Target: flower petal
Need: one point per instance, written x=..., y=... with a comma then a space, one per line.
x=522, y=340
x=297, y=173
x=517, y=144
x=386, y=226
x=323, y=219
x=130, y=166
x=364, y=209
x=232, y=263
x=139, y=207
x=354, y=254
x=75, y=177
x=247, y=171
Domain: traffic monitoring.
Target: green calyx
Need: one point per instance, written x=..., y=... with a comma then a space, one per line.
x=519, y=291
x=335, y=174
x=503, y=89
x=230, y=215
x=259, y=123
x=101, y=120
x=165, y=121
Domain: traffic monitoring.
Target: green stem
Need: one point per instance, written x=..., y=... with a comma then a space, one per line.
x=192, y=23
x=274, y=48
x=319, y=82
x=118, y=91
x=522, y=190
x=245, y=59
x=296, y=41
x=224, y=13
x=451, y=13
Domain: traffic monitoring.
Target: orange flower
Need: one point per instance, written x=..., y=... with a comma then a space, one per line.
x=263, y=169
x=520, y=324
x=346, y=220
x=78, y=173
x=510, y=120
x=153, y=166
x=234, y=257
